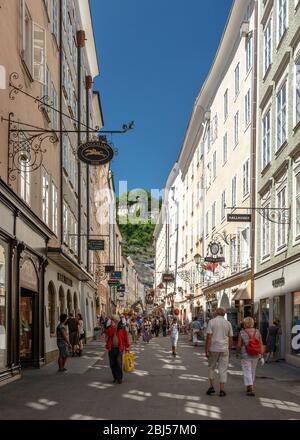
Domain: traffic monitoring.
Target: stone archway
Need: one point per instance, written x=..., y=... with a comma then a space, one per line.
x=69, y=302
x=52, y=307
x=62, y=300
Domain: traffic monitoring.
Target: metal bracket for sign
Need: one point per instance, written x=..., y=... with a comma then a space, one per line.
x=27, y=142
x=280, y=216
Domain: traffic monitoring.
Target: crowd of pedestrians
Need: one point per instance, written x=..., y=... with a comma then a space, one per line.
x=215, y=331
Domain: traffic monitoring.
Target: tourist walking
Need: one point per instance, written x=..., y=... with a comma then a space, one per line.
x=73, y=333
x=164, y=326
x=63, y=342
x=217, y=347
x=116, y=343
x=146, y=330
x=249, y=347
x=174, y=332
x=81, y=333
x=133, y=330
x=139, y=326
x=272, y=341
x=196, y=330
x=156, y=326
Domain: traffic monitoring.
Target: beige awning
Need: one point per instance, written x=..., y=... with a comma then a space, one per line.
x=243, y=291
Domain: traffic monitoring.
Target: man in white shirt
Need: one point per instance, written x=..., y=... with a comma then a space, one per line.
x=217, y=347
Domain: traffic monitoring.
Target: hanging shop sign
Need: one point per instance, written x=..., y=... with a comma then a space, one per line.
x=96, y=245
x=109, y=269
x=168, y=277
x=113, y=283
x=95, y=152
x=278, y=282
x=214, y=259
x=239, y=217
x=116, y=275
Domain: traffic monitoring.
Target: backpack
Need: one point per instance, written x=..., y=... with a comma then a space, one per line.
x=253, y=348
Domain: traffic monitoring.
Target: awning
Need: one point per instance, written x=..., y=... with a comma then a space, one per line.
x=243, y=291
x=63, y=260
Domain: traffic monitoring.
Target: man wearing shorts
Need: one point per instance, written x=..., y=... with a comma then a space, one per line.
x=63, y=343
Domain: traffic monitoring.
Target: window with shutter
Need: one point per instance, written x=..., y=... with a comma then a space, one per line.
x=39, y=51
x=26, y=38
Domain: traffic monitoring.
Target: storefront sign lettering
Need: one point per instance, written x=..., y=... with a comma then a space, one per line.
x=64, y=279
x=296, y=338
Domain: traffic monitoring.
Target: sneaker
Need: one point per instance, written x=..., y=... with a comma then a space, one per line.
x=222, y=393
x=210, y=391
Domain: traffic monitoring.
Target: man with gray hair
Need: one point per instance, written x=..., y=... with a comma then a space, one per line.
x=217, y=347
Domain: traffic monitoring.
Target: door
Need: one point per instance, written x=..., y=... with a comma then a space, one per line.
x=279, y=314
x=26, y=327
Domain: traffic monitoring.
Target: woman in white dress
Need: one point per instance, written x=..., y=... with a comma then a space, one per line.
x=174, y=331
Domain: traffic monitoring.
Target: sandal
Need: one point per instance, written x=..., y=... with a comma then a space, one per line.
x=222, y=393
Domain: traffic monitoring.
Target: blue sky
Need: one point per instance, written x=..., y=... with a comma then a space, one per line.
x=154, y=56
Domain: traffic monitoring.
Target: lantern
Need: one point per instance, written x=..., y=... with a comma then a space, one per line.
x=176, y=312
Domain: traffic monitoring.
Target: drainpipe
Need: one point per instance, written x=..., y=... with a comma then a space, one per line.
x=80, y=44
x=88, y=87
x=253, y=151
x=61, y=159
x=177, y=233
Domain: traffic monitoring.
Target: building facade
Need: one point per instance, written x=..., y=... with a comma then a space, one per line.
x=277, y=283
x=47, y=195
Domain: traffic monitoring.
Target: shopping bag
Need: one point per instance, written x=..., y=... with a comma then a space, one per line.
x=129, y=362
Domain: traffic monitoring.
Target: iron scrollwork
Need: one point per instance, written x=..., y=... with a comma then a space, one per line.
x=26, y=149
x=280, y=216
x=14, y=89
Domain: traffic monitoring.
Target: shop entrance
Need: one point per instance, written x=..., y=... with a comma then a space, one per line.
x=279, y=314
x=29, y=314
x=27, y=320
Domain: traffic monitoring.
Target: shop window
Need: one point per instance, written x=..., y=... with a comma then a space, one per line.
x=69, y=302
x=3, y=310
x=62, y=302
x=296, y=322
x=52, y=308
x=75, y=300
x=264, y=318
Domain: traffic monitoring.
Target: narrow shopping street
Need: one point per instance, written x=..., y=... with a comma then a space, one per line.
x=161, y=388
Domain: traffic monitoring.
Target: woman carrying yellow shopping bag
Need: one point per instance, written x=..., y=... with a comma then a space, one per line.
x=129, y=362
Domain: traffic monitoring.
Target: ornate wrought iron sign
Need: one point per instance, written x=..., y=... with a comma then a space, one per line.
x=96, y=152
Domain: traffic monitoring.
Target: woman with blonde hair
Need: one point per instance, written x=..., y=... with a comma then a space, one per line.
x=249, y=346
